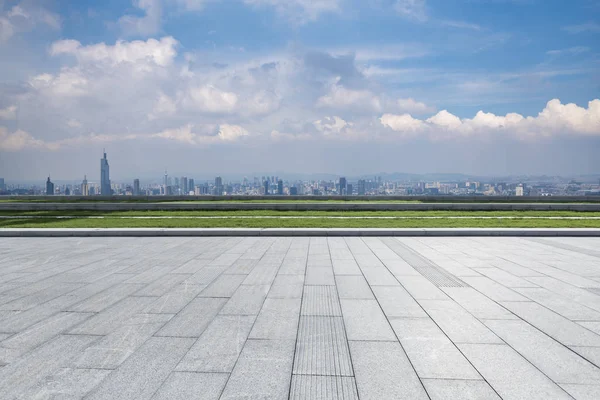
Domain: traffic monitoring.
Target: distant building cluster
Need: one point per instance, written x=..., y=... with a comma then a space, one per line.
x=275, y=186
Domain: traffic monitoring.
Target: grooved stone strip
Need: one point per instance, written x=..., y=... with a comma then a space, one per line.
x=322, y=348
x=321, y=300
x=307, y=387
x=435, y=274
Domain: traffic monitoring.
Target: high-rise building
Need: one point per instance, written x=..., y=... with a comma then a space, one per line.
x=85, y=189
x=136, y=187
x=293, y=191
x=67, y=191
x=280, y=187
x=105, y=189
x=218, y=186
x=49, y=188
x=349, y=189
x=342, y=186
x=184, y=185
x=361, y=187
x=519, y=190
x=1, y=183
x=266, y=188
x=191, y=185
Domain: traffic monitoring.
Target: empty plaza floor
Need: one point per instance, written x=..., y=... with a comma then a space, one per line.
x=299, y=318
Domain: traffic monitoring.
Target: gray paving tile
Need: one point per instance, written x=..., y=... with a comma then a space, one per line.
x=263, y=371
x=242, y=266
x=223, y=286
x=261, y=275
x=421, y=288
x=66, y=383
x=443, y=389
x=565, y=331
x=35, y=335
x=345, y=267
x=457, y=323
x=322, y=348
x=478, y=305
x=194, y=318
x=505, y=278
x=162, y=285
x=21, y=375
x=510, y=374
x=378, y=276
x=493, y=290
x=293, y=266
x=40, y=297
x=310, y=387
x=287, y=287
x=593, y=326
x=319, y=276
x=560, y=304
x=353, y=287
x=247, y=300
x=278, y=319
x=176, y=299
x=364, y=320
x=110, y=319
x=218, y=348
x=397, y=302
x=321, y=300
x=113, y=349
x=142, y=374
x=106, y=298
x=583, y=392
x=383, y=371
x=192, y=385
x=205, y=276
x=431, y=352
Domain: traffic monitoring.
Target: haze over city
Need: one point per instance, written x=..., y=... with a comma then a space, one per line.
x=344, y=87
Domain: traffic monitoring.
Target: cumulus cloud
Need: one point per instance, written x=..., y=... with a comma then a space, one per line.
x=331, y=125
x=341, y=97
x=210, y=99
x=412, y=106
x=19, y=140
x=555, y=119
x=9, y=112
x=230, y=133
x=24, y=17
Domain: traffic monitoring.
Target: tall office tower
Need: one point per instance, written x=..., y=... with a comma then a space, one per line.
x=136, y=187
x=104, y=177
x=1, y=183
x=293, y=191
x=176, y=183
x=67, y=191
x=361, y=187
x=280, y=187
x=519, y=190
x=191, y=185
x=184, y=185
x=85, y=189
x=266, y=188
x=349, y=189
x=218, y=186
x=49, y=188
x=342, y=186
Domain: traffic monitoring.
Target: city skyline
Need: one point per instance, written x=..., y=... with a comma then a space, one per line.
x=473, y=86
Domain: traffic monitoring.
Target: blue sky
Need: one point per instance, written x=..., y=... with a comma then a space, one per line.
x=232, y=86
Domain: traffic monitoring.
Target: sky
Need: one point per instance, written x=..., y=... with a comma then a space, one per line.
x=349, y=87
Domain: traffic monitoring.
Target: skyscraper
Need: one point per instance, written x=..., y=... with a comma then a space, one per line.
x=184, y=185
x=342, y=186
x=280, y=187
x=49, y=188
x=191, y=185
x=218, y=186
x=1, y=183
x=361, y=187
x=85, y=189
x=166, y=183
x=266, y=183
x=105, y=189
x=349, y=189
x=136, y=187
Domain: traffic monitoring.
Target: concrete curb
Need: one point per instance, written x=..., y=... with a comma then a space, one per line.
x=188, y=232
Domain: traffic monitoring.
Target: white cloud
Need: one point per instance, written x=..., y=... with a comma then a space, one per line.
x=69, y=83
x=329, y=126
x=299, y=11
x=164, y=107
x=147, y=25
x=412, y=106
x=9, y=112
x=24, y=17
x=6, y=29
x=570, y=51
x=73, y=123
x=555, y=119
x=210, y=99
x=581, y=28
x=191, y=5
x=19, y=140
x=157, y=52
x=461, y=25
x=183, y=134
x=230, y=133
x=412, y=9
x=340, y=97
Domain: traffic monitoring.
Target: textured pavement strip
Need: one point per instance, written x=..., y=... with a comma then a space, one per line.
x=286, y=217
x=299, y=318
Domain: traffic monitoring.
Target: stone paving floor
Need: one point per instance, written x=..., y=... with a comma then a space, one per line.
x=300, y=318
